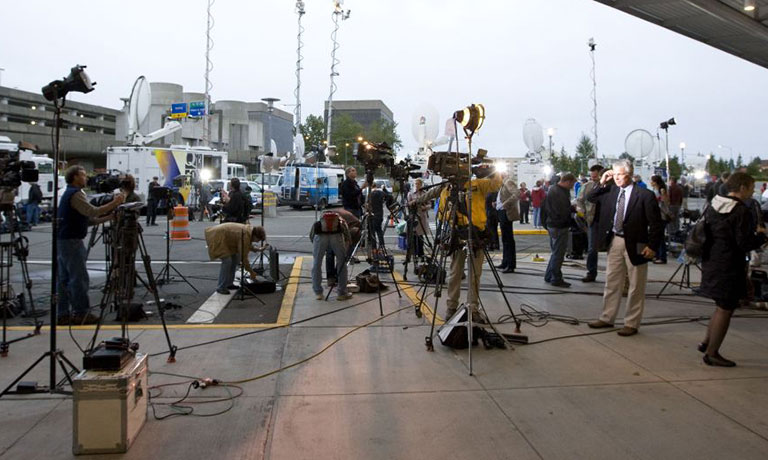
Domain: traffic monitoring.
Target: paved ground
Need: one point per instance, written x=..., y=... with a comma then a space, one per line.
x=356, y=385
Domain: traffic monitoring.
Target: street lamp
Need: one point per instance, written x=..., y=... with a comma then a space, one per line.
x=550, y=133
x=682, y=153
x=346, y=153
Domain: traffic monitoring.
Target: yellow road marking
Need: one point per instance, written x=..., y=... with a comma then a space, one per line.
x=289, y=299
x=414, y=296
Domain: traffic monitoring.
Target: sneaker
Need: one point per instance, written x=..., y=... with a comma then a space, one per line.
x=561, y=283
x=344, y=296
x=319, y=296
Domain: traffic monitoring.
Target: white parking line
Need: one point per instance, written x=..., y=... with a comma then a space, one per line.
x=211, y=308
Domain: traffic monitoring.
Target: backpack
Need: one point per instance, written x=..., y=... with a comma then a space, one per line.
x=330, y=222
x=694, y=244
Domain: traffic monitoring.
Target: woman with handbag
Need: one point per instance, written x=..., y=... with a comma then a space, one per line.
x=662, y=195
x=729, y=236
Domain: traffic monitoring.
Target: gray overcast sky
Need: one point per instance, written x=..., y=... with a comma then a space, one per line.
x=521, y=59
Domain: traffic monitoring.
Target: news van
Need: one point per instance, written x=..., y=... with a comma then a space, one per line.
x=309, y=185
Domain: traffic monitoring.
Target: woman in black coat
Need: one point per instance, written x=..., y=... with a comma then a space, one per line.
x=730, y=236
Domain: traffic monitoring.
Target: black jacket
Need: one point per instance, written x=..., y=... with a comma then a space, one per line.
x=556, y=209
x=642, y=221
x=730, y=235
x=35, y=194
x=379, y=198
x=351, y=195
x=234, y=210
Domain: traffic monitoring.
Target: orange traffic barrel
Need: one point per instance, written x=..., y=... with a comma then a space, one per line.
x=180, y=223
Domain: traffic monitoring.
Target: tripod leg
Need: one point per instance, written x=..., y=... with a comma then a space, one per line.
x=153, y=289
x=500, y=284
x=669, y=281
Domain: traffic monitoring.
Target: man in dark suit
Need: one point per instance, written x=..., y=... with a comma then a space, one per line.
x=629, y=225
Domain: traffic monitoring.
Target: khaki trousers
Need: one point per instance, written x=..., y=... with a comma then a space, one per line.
x=454, y=279
x=619, y=266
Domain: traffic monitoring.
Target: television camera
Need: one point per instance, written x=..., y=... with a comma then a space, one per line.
x=454, y=166
x=373, y=155
x=14, y=171
x=402, y=170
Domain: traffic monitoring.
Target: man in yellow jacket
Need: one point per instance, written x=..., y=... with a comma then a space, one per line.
x=476, y=208
x=226, y=242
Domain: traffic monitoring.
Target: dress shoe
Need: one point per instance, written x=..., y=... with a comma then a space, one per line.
x=702, y=347
x=501, y=266
x=508, y=270
x=626, y=331
x=223, y=291
x=561, y=283
x=718, y=361
x=599, y=324
x=589, y=279
x=659, y=261
x=233, y=286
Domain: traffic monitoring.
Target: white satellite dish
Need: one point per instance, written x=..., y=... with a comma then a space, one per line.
x=533, y=135
x=639, y=144
x=298, y=146
x=272, y=146
x=424, y=124
x=138, y=105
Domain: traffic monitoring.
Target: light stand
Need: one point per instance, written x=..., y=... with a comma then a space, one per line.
x=593, y=75
x=164, y=277
x=665, y=126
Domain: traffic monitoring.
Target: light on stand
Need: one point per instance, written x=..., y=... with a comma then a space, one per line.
x=77, y=81
x=471, y=118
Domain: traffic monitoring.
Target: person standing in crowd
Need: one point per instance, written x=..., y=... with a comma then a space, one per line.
x=74, y=214
x=662, y=196
x=493, y=221
x=589, y=209
x=686, y=192
x=525, y=203
x=676, y=193
x=331, y=231
x=718, y=187
x=639, y=181
x=629, y=226
x=351, y=195
x=226, y=242
x=205, y=201
x=234, y=203
x=537, y=198
x=556, y=218
x=729, y=238
x=507, y=209
x=128, y=189
x=422, y=212
x=32, y=208
x=152, y=202
x=377, y=199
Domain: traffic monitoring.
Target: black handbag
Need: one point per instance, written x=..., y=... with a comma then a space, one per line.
x=694, y=244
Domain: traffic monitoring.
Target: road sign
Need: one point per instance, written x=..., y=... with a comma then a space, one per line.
x=179, y=110
x=197, y=109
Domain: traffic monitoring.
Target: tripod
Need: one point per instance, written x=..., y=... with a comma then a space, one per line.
x=103, y=233
x=164, y=277
x=127, y=238
x=685, y=277
x=55, y=355
x=413, y=221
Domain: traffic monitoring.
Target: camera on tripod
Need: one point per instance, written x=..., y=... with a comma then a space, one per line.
x=454, y=166
x=14, y=171
x=402, y=170
x=374, y=156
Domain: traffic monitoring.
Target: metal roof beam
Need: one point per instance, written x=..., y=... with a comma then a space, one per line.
x=728, y=14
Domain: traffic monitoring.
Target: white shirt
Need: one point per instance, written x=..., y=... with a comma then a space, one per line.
x=499, y=204
x=627, y=194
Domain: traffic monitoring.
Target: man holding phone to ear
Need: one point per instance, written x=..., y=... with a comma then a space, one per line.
x=629, y=225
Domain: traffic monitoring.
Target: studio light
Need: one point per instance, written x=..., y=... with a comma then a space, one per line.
x=205, y=175
x=471, y=118
x=750, y=5
x=666, y=124
x=77, y=81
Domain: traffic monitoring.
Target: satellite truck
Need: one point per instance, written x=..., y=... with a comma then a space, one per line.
x=178, y=167
x=43, y=164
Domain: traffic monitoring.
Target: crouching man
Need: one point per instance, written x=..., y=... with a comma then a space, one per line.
x=331, y=232
x=226, y=242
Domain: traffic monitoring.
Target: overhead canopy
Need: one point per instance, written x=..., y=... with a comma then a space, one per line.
x=723, y=24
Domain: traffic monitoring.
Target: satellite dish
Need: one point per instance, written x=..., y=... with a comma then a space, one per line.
x=533, y=135
x=424, y=124
x=272, y=146
x=639, y=144
x=138, y=105
x=450, y=128
x=298, y=145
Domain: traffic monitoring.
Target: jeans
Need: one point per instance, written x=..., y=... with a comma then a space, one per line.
x=377, y=229
x=73, y=278
x=227, y=271
x=661, y=251
x=524, y=207
x=509, y=258
x=33, y=213
x=323, y=242
x=536, y=217
x=558, y=242
x=591, y=251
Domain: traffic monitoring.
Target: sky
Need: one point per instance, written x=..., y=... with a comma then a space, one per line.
x=521, y=59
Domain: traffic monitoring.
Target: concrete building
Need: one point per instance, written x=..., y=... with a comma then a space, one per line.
x=365, y=112
x=86, y=130
x=241, y=128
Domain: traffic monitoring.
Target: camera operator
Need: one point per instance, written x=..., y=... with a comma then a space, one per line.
x=589, y=210
x=152, y=202
x=227, y=241
x=480, y=189
x=234, y=203
x=205, y=201
x=74, y=215
x=377, y=199
x=351, y=195
x=128, y=189
x=353, y=223
x=422, y=216
x=556, y=218
x=330, y=232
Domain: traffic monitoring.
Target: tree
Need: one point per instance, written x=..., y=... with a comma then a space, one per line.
x=626, y=156
x=384, y=131
x=739, y=161
x=345, y=130
x=675, y=169
x=313, y=131
x=585, y=150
